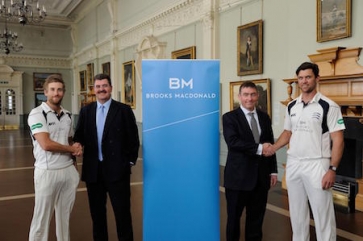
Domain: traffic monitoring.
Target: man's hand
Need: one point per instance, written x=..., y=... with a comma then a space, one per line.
x=273, y=180
x=328, y=179
x=77, y=149
x=267, y=149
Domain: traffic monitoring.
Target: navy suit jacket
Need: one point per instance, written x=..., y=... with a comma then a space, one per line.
x=120, y=141
x=244, y=169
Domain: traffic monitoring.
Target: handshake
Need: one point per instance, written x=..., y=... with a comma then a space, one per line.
x=77, y=149
x=268, y=149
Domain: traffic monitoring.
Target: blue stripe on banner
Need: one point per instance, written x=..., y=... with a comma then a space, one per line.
x=181, y=150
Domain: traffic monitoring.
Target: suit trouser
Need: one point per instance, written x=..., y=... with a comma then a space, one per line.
x=54, y=190
x=119, y=193
x=255, y=203
x=304, y=182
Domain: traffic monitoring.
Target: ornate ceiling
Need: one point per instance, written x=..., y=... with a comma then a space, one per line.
x=60, y=13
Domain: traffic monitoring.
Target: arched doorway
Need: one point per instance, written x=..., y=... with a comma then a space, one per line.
x=9, y=117
x=10, y=98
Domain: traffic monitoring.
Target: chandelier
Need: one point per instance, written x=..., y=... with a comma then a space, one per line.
x=8, y=40
x=22, y=11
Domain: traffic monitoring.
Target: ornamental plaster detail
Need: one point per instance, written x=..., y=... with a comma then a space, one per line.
x=168, y=20
x=104, y=49
x=87, y=54
x=39, y=62
x=208, y=21
x=148, y=48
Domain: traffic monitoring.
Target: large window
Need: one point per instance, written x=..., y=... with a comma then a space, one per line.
x=10, y=102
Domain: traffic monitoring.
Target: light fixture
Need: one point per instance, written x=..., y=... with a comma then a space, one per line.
x=8, y=41
x=23, y=11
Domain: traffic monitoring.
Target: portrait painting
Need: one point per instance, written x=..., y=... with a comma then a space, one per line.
x=129, y=83
x=249, y=48
x=82, y=80
x=106, y=68
x=264, y=92
x=90, y=73
x=39, y=79
x=333, y=19
x=186, y=53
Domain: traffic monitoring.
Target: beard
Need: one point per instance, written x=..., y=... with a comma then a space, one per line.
x=56, y=102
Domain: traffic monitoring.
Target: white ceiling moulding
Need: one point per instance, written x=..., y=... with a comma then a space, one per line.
x=64, y=7
x=225, y=5
x=39, y=62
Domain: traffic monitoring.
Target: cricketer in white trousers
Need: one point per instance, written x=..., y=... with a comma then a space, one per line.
x=304, y=181
x=55, y=190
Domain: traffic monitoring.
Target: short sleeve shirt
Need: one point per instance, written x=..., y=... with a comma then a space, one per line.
x=59, y=127
x=310, y=138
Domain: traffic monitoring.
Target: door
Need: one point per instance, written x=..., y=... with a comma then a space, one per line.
x=9, y=116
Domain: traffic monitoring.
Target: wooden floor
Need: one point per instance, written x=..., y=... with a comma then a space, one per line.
x=17, y=201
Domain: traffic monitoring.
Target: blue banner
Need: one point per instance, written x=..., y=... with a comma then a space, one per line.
x=180, y=150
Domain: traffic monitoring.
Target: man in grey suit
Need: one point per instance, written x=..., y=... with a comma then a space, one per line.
x=108, y=132
x=249, y=173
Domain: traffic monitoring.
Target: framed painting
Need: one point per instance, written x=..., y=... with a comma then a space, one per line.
x=90, y=73
x=249, y=48
x=106, y=68
x=129, y=83
x=39, y=79
x=334, y=19
x=82, y=80
x=82, y=100
x=264, y=92
x=187, y=53
x=39, y=98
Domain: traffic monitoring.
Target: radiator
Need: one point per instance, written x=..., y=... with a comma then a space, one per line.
x=344, y=195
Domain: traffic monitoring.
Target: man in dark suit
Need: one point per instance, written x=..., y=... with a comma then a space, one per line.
x=249, y=173
x=108, y=132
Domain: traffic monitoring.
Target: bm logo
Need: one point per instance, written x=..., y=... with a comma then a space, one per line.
x=176, y=83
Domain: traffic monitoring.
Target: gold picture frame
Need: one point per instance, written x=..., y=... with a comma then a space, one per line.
x=333, y=19
x=106, y=68
x=39, y=79
x=249, y=48
x=90, y=73
x=82, y=80
x=264, y=90
x=187, y=53
x=129, y=83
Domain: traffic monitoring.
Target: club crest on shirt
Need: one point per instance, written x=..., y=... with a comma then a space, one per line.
x=340, y=121
x=316, y=115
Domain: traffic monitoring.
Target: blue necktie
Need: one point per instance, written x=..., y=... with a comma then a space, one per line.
x=100, y=126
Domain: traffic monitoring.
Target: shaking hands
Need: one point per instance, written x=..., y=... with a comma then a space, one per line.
x=268, y=149
x=77, y=149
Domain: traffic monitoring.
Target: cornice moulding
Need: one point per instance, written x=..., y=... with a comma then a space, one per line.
x=86, y=54
x=39, y=62
x=224, y=5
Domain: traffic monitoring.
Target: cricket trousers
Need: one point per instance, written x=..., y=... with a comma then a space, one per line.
x=55, y=190
x=304, y=185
